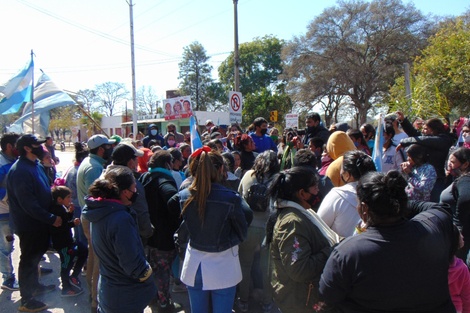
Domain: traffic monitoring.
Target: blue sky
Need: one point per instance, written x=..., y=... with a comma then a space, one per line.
x=81, y=43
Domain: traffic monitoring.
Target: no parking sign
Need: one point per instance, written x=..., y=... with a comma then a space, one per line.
x=235, y=106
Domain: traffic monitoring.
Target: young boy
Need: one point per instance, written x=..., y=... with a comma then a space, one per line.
x=72, y=253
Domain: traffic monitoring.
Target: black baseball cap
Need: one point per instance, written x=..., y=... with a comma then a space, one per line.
x=28, y=140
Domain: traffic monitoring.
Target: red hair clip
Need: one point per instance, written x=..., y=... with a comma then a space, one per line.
x=198, y=152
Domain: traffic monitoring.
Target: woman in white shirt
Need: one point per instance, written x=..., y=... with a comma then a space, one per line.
x=338, y=209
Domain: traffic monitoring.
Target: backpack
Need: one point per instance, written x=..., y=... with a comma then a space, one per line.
x=257, y=197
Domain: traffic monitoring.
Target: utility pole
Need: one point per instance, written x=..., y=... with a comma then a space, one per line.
x=134, y=105
x=235, y=53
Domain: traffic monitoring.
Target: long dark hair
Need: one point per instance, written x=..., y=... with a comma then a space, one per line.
x=266, y=164
x=284, y=186
x=357, y=163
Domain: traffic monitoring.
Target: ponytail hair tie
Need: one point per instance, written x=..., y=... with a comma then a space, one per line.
x=198, y=152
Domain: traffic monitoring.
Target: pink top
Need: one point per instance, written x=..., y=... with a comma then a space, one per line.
x=459, y=285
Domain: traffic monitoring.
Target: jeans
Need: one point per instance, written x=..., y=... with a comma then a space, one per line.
x=33, y=245
x=222, y=299
x=6, y=248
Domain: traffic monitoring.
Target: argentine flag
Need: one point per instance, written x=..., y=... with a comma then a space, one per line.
x=378, y=144
x=17, y=90
x=47, y=96
x=196, y=142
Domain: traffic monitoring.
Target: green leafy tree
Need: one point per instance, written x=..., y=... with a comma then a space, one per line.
x=195, y=75
x=259, y=65
x=441, y=74
x=358, y=47
x=264, y=101
x=62, y=119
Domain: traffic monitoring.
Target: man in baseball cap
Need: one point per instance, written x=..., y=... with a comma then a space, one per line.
x=29, y=196
x=90, y=169
x=99, y=140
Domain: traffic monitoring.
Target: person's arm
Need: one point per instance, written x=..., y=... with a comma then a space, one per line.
x=24, y=185
x=335, y=283
x=327, y=210
x=129, y=254
x=3, y=175
x=143, y=216
x=462, y=208
x=299, y=261
x=240, y=218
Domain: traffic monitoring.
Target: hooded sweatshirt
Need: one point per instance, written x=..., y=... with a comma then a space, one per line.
x=117, y=244
x=338, y=144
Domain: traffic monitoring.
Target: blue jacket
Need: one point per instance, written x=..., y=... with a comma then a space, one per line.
x=226, y=220
x=5, y=164
x=117, y=244
x=29, y=196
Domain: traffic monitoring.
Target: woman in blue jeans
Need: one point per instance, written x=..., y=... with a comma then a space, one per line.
x=217, y=220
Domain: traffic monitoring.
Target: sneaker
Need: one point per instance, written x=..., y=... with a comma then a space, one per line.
x=169, y=307
x=74, y=281
x=241, y=306
x=43, y=289
x=32, y=305
x=10, y=284
x=72, y=291
x=179, y=288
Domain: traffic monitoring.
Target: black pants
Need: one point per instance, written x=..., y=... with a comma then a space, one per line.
x=33, y=245
x=72, y=257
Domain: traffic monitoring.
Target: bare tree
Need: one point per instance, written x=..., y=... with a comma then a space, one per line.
x=87, y=98
x=110, y=94
x=146, y=99
x=359, y=45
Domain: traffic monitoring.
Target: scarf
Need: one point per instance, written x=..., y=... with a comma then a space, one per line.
x=329, y=234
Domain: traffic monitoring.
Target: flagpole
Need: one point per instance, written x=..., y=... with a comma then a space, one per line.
x=32, y=95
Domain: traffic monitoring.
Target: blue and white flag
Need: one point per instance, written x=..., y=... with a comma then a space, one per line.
x=17, y=90
x=196, y=142
x=378, y=144
x=47, y=96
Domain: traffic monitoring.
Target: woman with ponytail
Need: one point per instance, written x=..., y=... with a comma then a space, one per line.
x=399, y=262
x=300, y=242
x=338, y=209
x=217, y=220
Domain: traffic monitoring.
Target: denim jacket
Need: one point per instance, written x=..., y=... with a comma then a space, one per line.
x=226, y=220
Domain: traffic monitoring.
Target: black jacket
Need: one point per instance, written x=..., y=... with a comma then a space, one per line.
x=62, y=236
x=159, y=188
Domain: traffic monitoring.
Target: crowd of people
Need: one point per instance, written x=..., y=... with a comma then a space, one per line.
x=301, y=219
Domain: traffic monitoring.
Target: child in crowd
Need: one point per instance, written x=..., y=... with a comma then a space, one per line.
x=459, y=277
x=73, y=254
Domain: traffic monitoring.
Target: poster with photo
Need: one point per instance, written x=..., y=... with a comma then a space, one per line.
x=177, y=108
